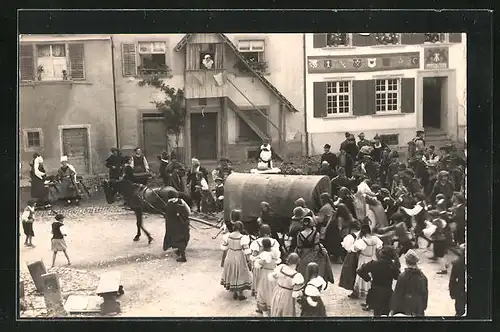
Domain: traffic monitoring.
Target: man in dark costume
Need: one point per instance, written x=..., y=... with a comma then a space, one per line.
x=163, y=168
x=378, y=148
x=176, y=172
x=193, y=181
x=140, y=164
x=115, y=164
x=339, y=181
x=177, y=225
x=346, y=161
x=329, y=157
x=457, y=283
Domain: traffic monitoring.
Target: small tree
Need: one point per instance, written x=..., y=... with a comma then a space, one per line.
x=173, y=106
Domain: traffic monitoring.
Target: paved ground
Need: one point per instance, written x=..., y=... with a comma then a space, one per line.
x=100, y=240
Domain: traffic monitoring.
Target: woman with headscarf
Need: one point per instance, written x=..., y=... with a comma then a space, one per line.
x=37, y=174
x=359, y=198
x=346, y=197
x=177, y=225
x=367, y=245
x=193, y=181
x=350, y=265
x=236, y=276
x=310, y=249
x=67, y=186
x=256, y=247
x=330, y=232
x=380, y=273
x=411, y=292
x=288, y=284
x=443, y=186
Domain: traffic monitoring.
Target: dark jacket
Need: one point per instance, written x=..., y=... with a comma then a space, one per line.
x=177, y=225
x=458, y=216
x=115, y=165
x=192, y=179
x=457, y=278
x=377, y=152
x=411, y=293
x=447, y=190
x=338, y=182
x=331, y=158
x=381, y=273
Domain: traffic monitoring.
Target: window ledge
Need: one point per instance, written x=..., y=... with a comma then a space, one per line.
x=337, y=48
x=333, y=117
x=390, y=46
x=33, y=149
x=437, y=44
x=68, y=82
x=389, y=114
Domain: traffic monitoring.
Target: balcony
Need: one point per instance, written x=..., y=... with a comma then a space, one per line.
x=201, y=84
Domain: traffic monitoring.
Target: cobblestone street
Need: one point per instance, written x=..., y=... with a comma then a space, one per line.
x=100, y=239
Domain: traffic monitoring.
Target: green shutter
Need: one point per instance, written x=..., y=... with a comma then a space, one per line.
x=319, y=93
x=76, y=62
x=412, y=38
x=359, y=40
x=129, y=66
x=407, y=95
x=455, y=37
x=26, y=62
x=363, y=97
x=319, y=40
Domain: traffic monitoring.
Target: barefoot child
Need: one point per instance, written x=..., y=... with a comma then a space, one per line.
x=58, y=243
x=27, y=220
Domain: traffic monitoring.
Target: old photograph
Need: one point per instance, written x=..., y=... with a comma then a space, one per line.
x=242, y=175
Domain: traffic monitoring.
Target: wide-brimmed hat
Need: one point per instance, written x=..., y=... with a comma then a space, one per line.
x=59, y=217
x=411, y=258
x=298, y=213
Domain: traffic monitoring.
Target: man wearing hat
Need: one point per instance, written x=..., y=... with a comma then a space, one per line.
x=411, y=292
x=295, y=226
x=67, y=187
x=378, y=148
x=362, y=141
x=115, y=164
x=329, y=157
x=419, y=140
x=219, y=193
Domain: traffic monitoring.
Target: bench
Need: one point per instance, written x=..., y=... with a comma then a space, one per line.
x=109, y=289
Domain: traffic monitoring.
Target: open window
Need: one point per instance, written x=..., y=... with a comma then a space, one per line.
x=253, y=52
x=152, y=57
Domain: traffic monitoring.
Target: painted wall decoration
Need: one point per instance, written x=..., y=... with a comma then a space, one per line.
x=363, y=63
x=436, y=58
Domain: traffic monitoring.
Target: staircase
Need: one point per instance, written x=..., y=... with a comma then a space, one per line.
x=438, y=138
x=275, y=143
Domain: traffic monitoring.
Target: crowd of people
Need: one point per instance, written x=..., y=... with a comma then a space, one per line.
x=379, y=210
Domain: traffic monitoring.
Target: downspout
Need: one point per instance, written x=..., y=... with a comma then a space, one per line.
x=305, y=96
x=114, y=92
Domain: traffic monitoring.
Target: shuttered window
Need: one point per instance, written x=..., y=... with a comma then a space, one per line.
x=319, y=95
x=455, y=37
x=363, y=97
x=363, y=39
x=408, y=95
x=76, y=61
x=26, y=62
x=193, y=53
x=129, y=66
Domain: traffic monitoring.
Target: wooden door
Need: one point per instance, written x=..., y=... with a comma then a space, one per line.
x=76, y=147
x=155, y=138
x=204, y=136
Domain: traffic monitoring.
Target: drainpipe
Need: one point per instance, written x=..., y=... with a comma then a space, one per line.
x=305, y=96
x=114, y=92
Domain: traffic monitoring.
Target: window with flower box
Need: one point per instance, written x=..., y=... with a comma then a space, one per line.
x=388, y=38
x=152, y=58
x=338, y=39
x=387, y=95
x=51, y=62
x=253, y=52
x=338, y=98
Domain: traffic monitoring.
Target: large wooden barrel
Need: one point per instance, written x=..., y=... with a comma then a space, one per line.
x=246, y=191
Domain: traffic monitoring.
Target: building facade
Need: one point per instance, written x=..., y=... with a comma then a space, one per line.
x=390, y=84
x=66, y=100
x=239, y=89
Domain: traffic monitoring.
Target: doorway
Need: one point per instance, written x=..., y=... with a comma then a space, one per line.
x=434, y=102
x=154, y=136
x=75, y=145
x=204, y=136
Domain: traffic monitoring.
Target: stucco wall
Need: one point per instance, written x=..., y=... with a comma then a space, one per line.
x=331, y=130
x=47, y=105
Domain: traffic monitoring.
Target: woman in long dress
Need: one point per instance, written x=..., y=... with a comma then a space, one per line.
x=266, y=262
x=67, y=186
x=325, y=224
x=256, y=248
x=348, y=273
x=359, y=198
x=236, y=276
x=288, y=284
x=39, y=192
x=311, y=303
x=310, y=250
x=367, y=245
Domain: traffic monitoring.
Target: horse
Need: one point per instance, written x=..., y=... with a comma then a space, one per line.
x=141, y=198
